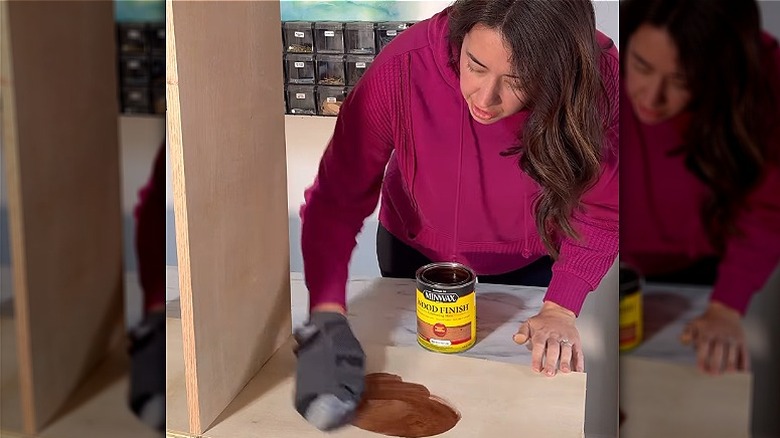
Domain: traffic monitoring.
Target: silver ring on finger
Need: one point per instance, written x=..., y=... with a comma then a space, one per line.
x=565, y=342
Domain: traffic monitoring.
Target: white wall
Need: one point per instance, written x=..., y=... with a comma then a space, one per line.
x=139, y=139
x=608, y=18
x=306, y=141
x=770, y=16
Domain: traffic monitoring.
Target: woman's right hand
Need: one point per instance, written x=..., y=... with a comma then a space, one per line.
x=330, y=375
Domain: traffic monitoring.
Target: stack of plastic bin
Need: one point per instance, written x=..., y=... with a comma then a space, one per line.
x=141, y=52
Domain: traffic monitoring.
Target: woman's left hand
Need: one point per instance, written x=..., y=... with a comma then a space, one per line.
x=552, y=336
x=719, y=340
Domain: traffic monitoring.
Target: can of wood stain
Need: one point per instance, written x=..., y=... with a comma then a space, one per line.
x=446, y=307
x=630, y=307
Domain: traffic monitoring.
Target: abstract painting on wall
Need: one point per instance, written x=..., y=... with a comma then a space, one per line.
x=306, y=10
x=360, y=10
x=139, y=11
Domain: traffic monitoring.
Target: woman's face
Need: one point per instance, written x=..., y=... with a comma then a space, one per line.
x=486, y=79
x=655, y=81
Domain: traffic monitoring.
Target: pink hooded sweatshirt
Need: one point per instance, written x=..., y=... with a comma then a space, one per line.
x=405, y=131
x=661, y=226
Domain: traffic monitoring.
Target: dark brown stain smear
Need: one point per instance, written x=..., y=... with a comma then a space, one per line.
x=393, y=407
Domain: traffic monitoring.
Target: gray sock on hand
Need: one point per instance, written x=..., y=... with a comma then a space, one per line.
x=330, y=371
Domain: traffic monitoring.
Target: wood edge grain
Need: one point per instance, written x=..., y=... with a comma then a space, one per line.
x=173, y=122
x=16, y=226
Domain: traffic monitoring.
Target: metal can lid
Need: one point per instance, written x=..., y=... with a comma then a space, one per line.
x=445, y=274
x=630, y=279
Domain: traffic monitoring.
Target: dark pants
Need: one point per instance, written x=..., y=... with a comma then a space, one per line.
x=702, y=272
x=399, y=260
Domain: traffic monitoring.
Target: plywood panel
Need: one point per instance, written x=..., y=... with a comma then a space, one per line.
x=98, y=408
x=10, y=403
x=226, y=127
x=671, y=400
x=493, y=398
x=62, y=165
x=176, y=415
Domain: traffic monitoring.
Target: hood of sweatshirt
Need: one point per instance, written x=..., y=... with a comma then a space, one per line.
x=472, y=205
x=448, y=191
x=447, y=56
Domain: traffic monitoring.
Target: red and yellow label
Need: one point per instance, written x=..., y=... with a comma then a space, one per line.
x=630, y=321
x=446, y=322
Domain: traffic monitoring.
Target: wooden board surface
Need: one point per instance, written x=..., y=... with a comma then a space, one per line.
x=493, y=398
x=61, y=154
x=98, y=407
x=226, y=127
x=10, y=401
x=176, y=415
x=671, y=400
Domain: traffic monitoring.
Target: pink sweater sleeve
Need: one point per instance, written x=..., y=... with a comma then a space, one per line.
x=347, y=187
x=752, y=257
x=584, y=262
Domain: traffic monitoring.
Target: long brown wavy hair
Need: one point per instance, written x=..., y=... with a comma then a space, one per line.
x=555, y=54
x=733, y=108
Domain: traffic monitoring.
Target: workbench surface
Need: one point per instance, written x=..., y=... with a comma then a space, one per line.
x=382, y=312
x=662, y=392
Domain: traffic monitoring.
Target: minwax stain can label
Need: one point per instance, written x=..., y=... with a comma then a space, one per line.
x=630, y=308
x=630, y=322
x=446, y=307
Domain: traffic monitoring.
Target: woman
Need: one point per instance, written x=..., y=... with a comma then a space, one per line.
x=699, y=141
x=147, y=339
x=490, y=131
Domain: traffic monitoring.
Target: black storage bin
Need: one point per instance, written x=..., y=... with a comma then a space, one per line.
x=298, y=37
x=330, y=70
x=387, y=31
x=156, y=37
x=300, y=69
x=134, y=70
x=329, y=37
x=158, y=100
x=157, y=71
x=356, y=67
x=135, y=100
x=360, y=38
x=301, y=100
x=133, y=39
x=329, y=100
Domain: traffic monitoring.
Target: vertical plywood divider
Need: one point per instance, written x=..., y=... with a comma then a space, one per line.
x=62, y=164
x=226, y=134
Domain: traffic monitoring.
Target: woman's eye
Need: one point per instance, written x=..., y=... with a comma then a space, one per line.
x=681, y=84
x=641, y=68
